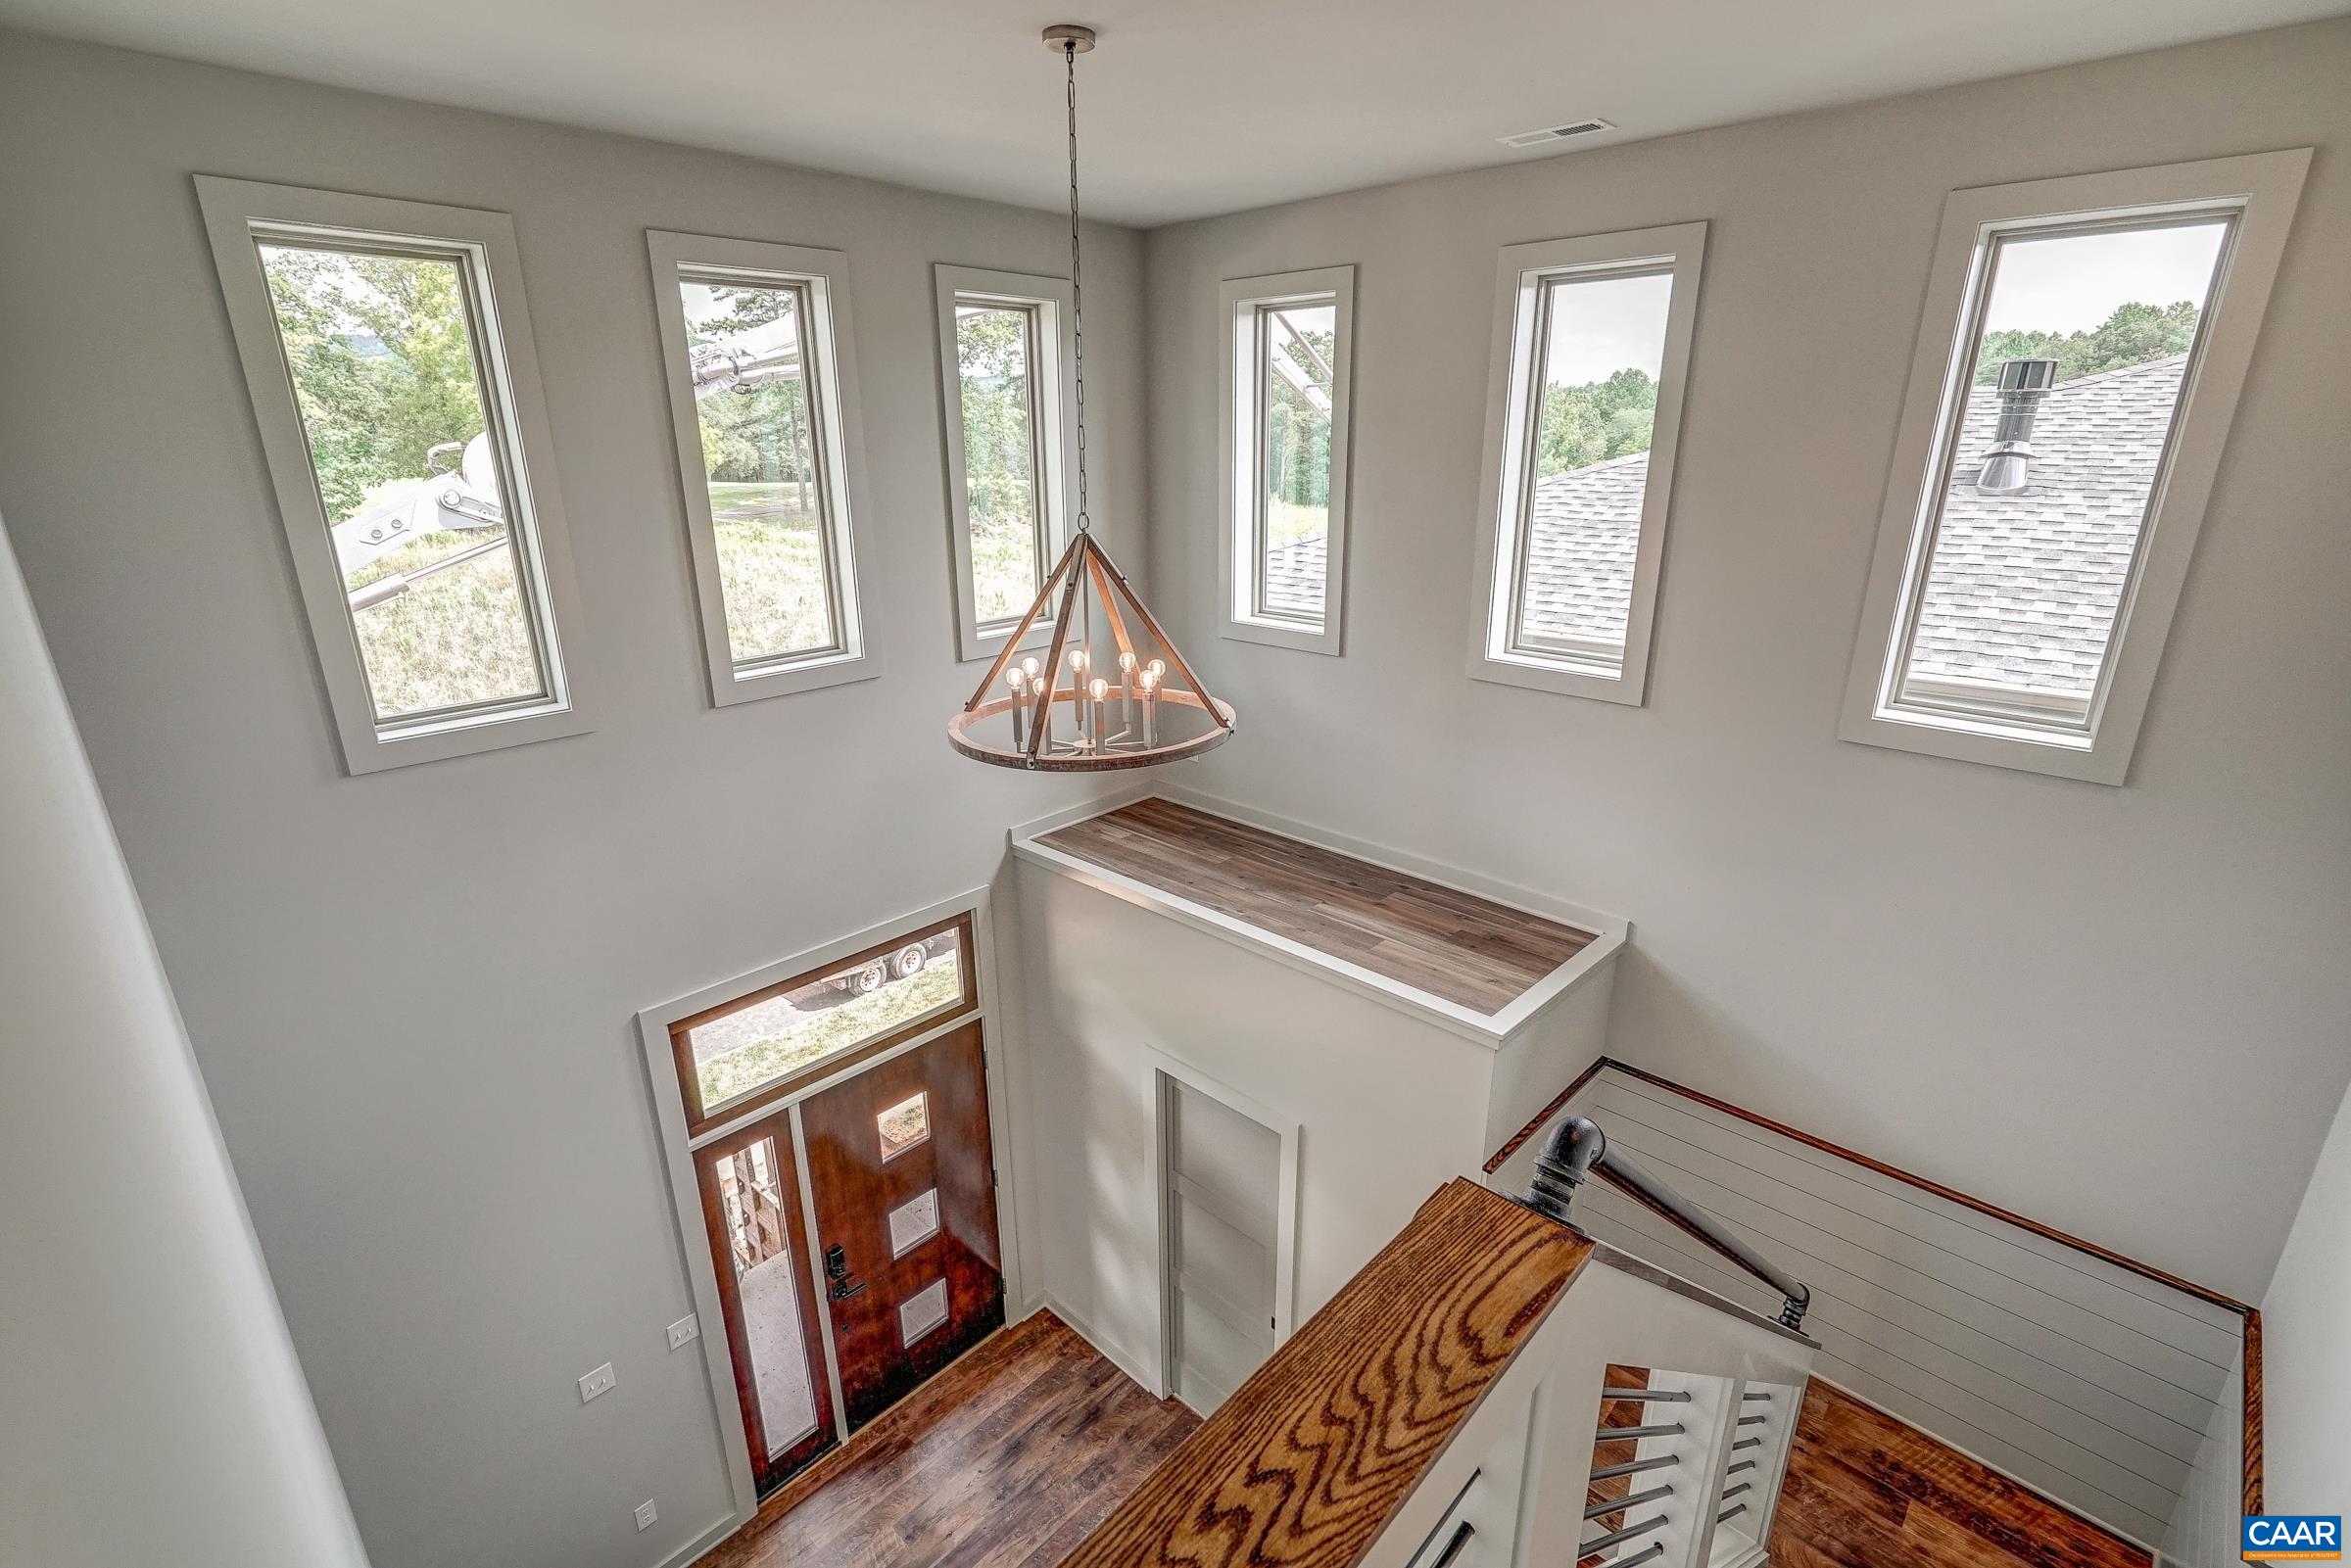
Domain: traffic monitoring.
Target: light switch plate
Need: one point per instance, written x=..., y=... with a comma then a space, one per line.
x=685, y=1331
x=600, y=1381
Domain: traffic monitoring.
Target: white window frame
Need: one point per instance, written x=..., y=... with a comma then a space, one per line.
x=1053, y=379
x=238, y=214
x=2260, y=191
x=1239, y=560
x=1514, y=406
x=830, y=352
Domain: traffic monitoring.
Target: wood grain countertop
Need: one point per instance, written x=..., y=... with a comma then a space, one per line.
x=1308, y=1460
x=1465, y=949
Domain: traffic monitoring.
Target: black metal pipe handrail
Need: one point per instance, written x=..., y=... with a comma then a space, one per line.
x=1577, y=1148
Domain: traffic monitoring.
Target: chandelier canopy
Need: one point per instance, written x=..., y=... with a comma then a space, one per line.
x=1112, y=691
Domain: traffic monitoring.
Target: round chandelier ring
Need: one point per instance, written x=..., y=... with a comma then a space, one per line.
x=960, y=736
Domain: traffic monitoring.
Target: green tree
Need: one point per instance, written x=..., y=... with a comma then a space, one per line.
x=992, y=348
x=1297, y=434
x=382, y=364
x=2134, y=334
x=756, y=434
x=1596, y=422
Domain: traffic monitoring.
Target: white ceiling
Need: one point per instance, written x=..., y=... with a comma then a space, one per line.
x=1192, y=107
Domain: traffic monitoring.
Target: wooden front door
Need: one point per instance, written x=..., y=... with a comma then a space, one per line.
x=752, y=1206
x=904, y=1186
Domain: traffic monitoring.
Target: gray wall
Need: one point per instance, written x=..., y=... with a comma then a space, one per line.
x=412, y=993
x=155, y=1411
x=2305, y=1349
x=2055, y=995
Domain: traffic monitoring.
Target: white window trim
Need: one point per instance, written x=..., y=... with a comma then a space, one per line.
x=1236, y=555
x=2263, y=189
x=831, y=351
x=232, y=208
x=1056, y=379
x=1516, y=372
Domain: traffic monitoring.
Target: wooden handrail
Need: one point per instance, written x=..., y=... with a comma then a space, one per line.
x=1578, y=1149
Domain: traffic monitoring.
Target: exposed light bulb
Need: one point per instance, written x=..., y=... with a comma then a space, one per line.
x=1097, y=687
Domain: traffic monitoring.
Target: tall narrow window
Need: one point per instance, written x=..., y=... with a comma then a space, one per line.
x=1287, y=418
x=1005, y=384
x=755, y=337
x=1592, y=341
x=2070, y=419
x=387, y=350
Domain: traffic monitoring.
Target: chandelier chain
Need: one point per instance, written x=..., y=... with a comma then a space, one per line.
x=1069, y=54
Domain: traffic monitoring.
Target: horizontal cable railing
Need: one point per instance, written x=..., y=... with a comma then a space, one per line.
x=1577, y=1149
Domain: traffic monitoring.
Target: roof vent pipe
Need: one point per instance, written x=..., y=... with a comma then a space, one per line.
x=2008, y=464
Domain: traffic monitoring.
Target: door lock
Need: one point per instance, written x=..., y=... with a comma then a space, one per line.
x=836, y=1270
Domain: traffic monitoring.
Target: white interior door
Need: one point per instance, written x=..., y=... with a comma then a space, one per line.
x=1223, y=1238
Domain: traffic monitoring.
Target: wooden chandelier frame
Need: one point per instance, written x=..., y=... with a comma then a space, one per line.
x=1084, y=559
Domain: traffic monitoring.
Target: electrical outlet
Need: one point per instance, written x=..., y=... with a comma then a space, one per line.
x=647, y=1513
x=685, y=1331
x=600, y=1381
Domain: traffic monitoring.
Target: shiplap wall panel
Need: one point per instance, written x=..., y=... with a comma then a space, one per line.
x=2072, y=1283
x=2205, y=1526
x=2079, y=1378
x=1917, y=1275
x=2081, y=1477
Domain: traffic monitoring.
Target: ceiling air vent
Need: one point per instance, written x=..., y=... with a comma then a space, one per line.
x=1557, y=133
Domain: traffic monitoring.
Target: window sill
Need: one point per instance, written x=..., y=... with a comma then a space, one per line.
x=1301, y=635
x=1576, y=677
x=1991, y=743
x=462, y=737
x=785, y=677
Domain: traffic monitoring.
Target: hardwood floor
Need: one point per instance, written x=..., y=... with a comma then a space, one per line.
x=1006, y=1459
x=1864, y=1490
x=1457, y=946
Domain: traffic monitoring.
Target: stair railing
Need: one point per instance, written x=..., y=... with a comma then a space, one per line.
x=1579, y=1148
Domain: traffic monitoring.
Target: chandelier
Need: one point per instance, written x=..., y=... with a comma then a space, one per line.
x=1112, y=691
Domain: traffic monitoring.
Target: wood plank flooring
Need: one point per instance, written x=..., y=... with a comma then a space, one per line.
x=1864, y=1490
x=1006, y=1459
x=1468, y=950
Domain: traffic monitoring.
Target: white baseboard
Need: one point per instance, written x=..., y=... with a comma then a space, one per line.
x=1116, y=1357
x=1108, y=800
x=706, y=1542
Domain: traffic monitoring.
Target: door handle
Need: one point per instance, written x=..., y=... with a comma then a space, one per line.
x=842, y=1290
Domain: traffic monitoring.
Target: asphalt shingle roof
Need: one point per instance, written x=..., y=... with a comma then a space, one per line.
x=2023, y=589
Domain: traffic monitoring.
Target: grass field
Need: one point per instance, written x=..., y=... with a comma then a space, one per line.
x=459, y=636
x=1287, y=522
x=803, y=1037
x=462, y=636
